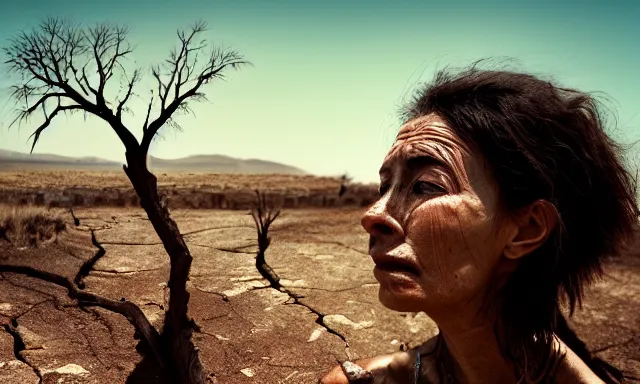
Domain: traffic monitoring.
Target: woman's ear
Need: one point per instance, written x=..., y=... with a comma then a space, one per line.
x=534, y=225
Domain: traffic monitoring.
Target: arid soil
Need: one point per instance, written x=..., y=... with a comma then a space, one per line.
x=180, y=190
x=249, y=333
x=92, y=179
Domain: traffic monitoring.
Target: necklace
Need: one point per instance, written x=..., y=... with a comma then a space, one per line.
x=416, y=371
x=444, y=370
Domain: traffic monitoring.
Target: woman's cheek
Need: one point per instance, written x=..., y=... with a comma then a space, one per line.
x=449, y=235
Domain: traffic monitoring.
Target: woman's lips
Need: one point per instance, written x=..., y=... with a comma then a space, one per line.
x=395, y=264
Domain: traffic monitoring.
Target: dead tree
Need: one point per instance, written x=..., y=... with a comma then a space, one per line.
x=264, y=216
x=345, y=179
x=52, y=66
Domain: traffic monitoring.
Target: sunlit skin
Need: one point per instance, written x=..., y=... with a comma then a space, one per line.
x=442, y=244
x=436, y=214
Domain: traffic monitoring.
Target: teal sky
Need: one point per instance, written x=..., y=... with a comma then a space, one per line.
x=328, y=77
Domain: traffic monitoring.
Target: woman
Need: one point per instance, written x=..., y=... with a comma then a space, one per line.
x=501, y=194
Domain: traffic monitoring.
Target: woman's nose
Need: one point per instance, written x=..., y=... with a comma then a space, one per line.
x=377, y=221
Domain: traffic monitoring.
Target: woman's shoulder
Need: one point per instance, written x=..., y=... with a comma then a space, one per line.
x=394, y=367
x=337, y=375
x=572, y=369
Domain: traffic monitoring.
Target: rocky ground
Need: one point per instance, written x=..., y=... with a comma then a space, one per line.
x=249, y=333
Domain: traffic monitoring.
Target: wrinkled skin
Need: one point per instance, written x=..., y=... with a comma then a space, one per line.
x=437, y=215
x=442, y=245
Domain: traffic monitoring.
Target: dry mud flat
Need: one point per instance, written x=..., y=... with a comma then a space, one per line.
x=249, y=333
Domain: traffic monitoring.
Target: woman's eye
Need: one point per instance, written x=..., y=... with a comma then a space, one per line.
x=427, y=188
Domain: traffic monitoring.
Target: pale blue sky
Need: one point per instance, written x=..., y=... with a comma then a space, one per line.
x=328, y=77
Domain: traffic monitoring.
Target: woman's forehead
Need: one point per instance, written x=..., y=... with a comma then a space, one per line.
x=422, y=123
x=431, y=138
x=427, y=136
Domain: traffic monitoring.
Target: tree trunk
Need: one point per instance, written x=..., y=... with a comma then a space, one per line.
x=266, y=271
x=176, y=335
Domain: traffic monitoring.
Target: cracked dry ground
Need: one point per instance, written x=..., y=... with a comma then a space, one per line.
x=249, y=333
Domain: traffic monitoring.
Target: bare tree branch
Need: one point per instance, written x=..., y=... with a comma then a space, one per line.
x=41, y=128
x=146, y=120
x=134, y=80
x=46, y=58
x=52, y=62
x=126, y=308
x=185, y=75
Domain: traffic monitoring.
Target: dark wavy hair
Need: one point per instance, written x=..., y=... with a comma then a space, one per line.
x=542, y=141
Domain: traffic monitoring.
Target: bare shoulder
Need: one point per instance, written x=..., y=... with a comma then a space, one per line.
x=337, y=376
x=394, y=368
x=334, y=376
x=572, y=369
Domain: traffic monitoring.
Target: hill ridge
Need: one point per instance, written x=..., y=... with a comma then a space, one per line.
x=213, y=163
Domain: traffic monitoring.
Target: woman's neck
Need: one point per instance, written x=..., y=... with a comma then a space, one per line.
x=475, y=355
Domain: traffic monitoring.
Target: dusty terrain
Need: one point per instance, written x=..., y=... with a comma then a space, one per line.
x=57, y=180
x=180, y=190
x=249, y=333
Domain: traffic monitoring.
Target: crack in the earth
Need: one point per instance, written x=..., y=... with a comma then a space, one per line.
x=36, y=290
x=230, y=250
x=274, y=282
x=342, y=245
x=129, y=310
x=614, y=345
x=105, y=322
x=128, y=243
x=94, y=229
x=117, y=272
x=215, y=317
x=319, y=319
x=247, y=279
x=19, y=346
x=226, y=299
x=238, y=249
x=150, y=303
x=215, y=228
x=263, y=216
x=33, y=306
x=296, y=301
x=337, y=290
x=88, y=265
x=92, y=349
x=207, y=333
x=82, y=299
x=292, y=366
x=76, y=220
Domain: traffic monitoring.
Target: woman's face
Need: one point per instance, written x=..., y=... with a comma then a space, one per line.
x=434, y=233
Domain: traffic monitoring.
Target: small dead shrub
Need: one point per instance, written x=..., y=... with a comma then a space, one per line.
x=29, y=225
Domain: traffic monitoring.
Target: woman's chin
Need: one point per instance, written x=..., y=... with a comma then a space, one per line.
x=399, y=290
x=401, y=300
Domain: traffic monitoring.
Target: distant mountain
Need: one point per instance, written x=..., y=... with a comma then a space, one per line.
x=15, y=161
